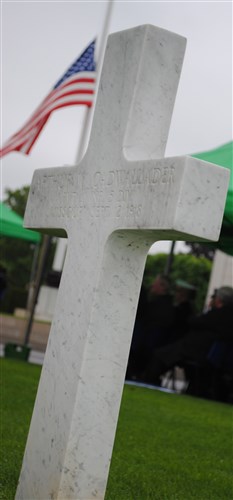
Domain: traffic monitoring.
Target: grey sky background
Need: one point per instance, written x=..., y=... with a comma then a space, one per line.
x=39, y=40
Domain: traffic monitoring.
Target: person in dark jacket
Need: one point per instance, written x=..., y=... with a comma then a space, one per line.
x=184, y=310
x=159, y=319
x=152, y=326
x=135, y=361
x=160, y=313
x=3, y=282
x=204, y=330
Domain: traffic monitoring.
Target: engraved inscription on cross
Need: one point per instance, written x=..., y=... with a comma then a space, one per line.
x=121, y=198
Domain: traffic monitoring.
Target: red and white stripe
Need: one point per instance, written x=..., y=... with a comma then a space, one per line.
x=77, y=89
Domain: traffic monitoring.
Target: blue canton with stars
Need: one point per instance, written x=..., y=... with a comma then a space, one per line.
x=84, y=63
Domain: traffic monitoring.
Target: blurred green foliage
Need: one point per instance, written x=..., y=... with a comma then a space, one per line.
x=194, y=270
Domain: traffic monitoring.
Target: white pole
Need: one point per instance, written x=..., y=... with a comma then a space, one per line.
x=99, y=57
x=62, y=243
x=84, y=134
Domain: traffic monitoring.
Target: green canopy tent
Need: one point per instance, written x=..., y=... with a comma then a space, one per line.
x=11, y=225
x=223, y=156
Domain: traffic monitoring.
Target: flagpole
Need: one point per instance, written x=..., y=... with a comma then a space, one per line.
x=88, y=114
x=61, y=243
x=80, y=152
x=89, y=110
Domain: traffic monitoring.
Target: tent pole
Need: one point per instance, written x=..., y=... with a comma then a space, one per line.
x=32, y=275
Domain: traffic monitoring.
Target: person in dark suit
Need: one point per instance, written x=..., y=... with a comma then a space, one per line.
x=184, y=295
x=160, y=313
x=152, y=325
x=3, y=282
x=204, y=330
x=135, y=361
x=158, y=320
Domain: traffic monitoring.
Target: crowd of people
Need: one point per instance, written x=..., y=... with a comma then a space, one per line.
x=168, y=334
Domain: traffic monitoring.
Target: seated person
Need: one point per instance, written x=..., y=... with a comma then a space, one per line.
x=205, y=329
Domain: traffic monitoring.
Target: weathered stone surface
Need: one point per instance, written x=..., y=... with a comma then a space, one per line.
x=121, y=198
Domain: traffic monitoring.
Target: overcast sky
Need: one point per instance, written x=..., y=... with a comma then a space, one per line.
x=41, y=39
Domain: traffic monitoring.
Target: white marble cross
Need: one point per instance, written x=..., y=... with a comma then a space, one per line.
x=120, y=199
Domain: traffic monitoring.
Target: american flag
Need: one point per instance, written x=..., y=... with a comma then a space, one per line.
x=75, y=87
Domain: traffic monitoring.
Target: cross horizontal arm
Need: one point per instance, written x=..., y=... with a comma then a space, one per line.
x=172, y=194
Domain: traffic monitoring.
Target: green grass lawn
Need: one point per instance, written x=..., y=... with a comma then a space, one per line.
x=167, y=447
